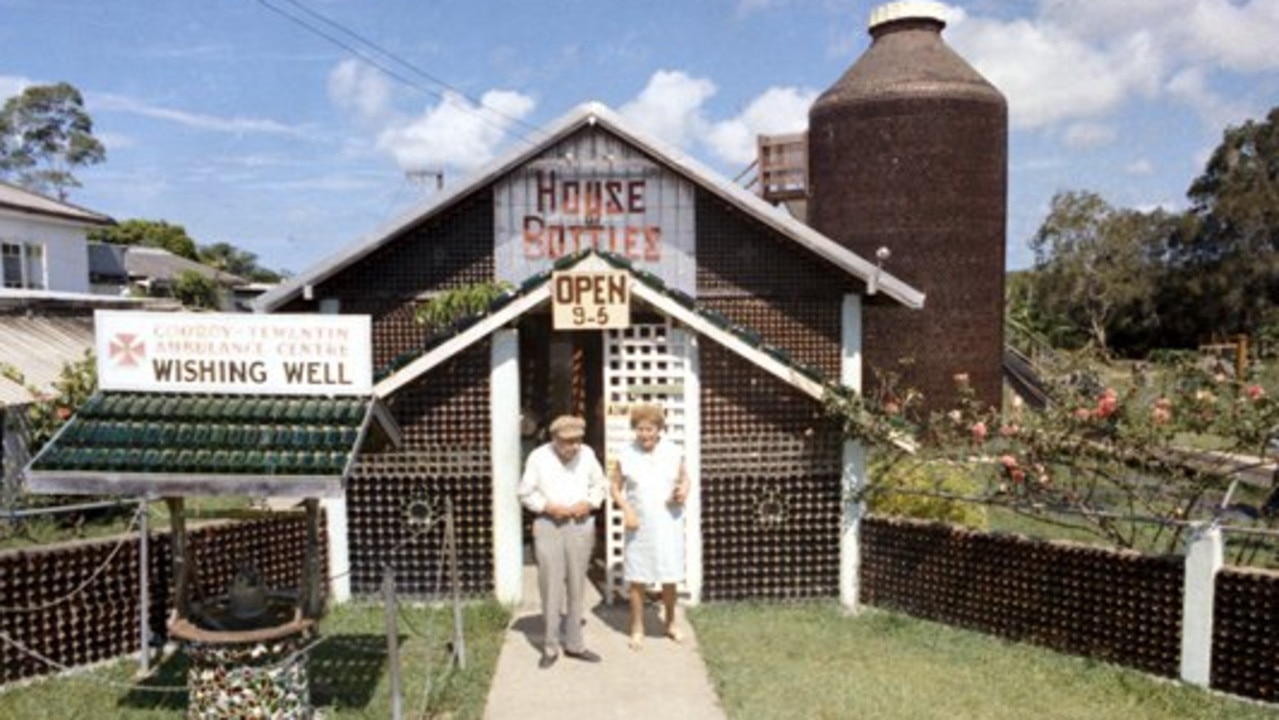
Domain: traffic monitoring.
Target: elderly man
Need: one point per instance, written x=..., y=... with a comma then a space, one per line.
x=563, y=484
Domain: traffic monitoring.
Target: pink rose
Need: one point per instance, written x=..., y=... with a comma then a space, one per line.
x=1254, y=392
x=979, y=431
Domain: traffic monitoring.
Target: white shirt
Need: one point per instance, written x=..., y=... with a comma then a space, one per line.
x=547, y=479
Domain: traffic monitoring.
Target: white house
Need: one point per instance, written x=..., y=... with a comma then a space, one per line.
x=42, y=242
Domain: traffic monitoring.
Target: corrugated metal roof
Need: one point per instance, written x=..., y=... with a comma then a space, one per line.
x=39, y=347
x=160, y=264
x=592, y=114
x=21, y=200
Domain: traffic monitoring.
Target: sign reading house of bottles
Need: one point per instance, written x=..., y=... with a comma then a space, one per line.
x=234, y=353
x=595, y=193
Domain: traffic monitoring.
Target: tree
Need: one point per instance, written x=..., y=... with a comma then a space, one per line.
x=45, y=133
x=150, y=233
x=228, y=258
x=1097, y=266
x=1236, y=201
x=195, y=290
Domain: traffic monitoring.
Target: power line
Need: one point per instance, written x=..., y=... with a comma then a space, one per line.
x=414, y=69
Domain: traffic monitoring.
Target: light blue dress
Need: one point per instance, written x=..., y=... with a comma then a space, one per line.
x=654, y=553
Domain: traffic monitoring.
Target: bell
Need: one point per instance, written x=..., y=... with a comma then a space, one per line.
x=247, y=598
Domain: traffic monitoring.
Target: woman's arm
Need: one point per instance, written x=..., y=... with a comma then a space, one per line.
x=630, y=520
x=681, y=485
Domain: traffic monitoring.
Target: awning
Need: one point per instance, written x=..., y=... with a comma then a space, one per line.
x=137, y=443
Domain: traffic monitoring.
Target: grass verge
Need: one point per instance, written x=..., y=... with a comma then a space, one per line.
x=349, y=672
x=811, y=661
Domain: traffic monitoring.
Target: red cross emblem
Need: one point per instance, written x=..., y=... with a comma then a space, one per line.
x=127, y=349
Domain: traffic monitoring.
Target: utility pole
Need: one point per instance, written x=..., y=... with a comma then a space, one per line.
x=418, y=177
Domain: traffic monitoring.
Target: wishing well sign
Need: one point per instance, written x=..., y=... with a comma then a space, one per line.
x=285, y=354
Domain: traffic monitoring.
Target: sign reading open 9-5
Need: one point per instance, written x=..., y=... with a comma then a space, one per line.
x=591, y=300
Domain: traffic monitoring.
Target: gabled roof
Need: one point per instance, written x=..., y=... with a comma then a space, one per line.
x=186, y=444
x=20, y=200
x=153, y=263
x=536, y=291
x=592, y=114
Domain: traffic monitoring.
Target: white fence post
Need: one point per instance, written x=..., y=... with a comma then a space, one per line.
x=504, y=414
x=854, y=460
x=1204, y=557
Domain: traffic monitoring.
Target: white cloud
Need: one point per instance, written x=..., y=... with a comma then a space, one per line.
x=1140, y=167
x=11, y=85
x=1083, y=60
x=670, y=108
x=455, y=133
x=1193, y=88
x=1239, y=36
x=115, y=141
x=1234, y=34
x=778, y=110
x=236, y=125
x=358, y=87
x=1049, y=76
x=1084, y=135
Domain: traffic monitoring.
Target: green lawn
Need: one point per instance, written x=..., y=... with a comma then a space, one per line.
x=349, y=673
x=811, y=661
x=40, y=530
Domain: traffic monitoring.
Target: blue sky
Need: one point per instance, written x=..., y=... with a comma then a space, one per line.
x=242, y=125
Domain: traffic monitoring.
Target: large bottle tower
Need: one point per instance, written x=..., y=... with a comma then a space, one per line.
x=908, y=163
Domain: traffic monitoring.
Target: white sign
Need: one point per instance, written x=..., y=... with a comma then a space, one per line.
x=607, y=198
x=234, y=353
x=590, y=300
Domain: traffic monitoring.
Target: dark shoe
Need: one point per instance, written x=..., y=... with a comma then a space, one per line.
x=584, y=655
x=547, y=660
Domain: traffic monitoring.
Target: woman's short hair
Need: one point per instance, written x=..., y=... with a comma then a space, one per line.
x=648, y=413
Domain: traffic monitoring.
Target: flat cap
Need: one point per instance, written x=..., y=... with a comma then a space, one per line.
x=568, y=426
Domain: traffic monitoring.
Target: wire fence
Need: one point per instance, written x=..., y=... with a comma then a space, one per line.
x=446, y=584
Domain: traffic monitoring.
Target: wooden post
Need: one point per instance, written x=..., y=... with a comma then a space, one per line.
x=1241, y=358
x=181, y=563
x=144, y=590
x=450, y=541
x=392, y=641
x=312, y=599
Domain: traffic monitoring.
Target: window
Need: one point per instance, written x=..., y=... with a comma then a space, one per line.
x=22, y=265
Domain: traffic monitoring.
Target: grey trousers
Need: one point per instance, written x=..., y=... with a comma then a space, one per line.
x=563, y=551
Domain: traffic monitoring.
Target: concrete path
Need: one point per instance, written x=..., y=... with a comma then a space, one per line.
x=663, y=681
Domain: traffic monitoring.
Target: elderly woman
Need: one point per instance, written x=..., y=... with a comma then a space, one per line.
x=650, y=484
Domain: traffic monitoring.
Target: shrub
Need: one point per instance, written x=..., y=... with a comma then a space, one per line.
x=927, y=491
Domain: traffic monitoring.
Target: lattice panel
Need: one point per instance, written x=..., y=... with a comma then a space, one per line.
x=396, y=504
x=770, y=538
x=1245, y=647
x=643, y=363
x=1117, y=606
